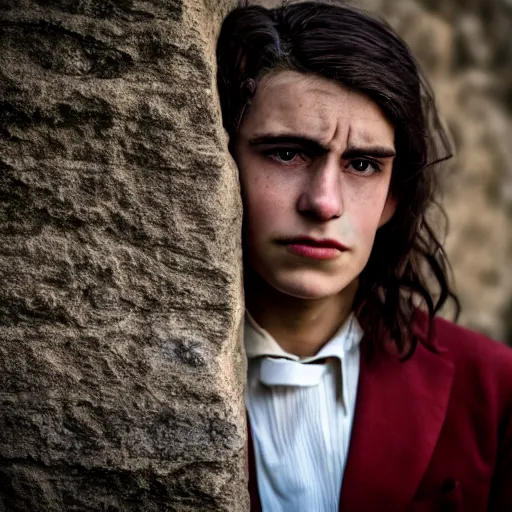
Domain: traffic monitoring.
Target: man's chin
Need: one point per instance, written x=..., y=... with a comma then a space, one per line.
x=299, y=284
x=307, y=291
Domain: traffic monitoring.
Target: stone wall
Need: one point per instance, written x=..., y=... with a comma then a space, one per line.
x=121, y=373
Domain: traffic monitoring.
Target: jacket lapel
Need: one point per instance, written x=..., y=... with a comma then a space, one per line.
x=400, y=410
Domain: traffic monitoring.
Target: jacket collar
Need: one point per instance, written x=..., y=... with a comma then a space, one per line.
x=400, y=410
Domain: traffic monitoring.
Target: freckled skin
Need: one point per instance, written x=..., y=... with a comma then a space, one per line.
x=320, y=195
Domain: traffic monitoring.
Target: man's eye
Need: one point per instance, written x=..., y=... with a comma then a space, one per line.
x=364, y=167
x=284, y=155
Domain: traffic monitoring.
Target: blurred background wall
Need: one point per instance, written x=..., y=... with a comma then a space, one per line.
x=465, y=49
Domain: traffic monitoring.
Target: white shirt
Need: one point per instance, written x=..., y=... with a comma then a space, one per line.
x=301, y=432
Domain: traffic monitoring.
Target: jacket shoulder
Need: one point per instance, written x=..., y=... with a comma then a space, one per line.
x=455, y=337
x=475, y=353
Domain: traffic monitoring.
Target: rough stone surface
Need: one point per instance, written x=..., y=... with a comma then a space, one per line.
x=121, y=372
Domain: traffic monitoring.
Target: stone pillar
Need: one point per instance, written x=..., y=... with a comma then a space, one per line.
x=121, y=372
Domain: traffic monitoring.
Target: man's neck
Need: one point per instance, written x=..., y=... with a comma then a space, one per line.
x=300, y=326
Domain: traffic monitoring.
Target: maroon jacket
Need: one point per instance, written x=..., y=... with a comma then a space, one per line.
x=433, y=433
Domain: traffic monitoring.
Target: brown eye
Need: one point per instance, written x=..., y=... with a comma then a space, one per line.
x=364, y=167
x=360, y=165
x=286, y=155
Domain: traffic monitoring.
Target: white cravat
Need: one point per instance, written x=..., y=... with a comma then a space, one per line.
x=300, y=420
x=285, y=372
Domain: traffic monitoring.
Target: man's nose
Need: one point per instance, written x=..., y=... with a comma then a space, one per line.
x=322, y=194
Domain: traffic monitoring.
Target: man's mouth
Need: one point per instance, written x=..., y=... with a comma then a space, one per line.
x=320, y=249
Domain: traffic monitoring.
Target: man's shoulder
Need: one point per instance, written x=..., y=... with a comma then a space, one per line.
x=461, y=339
x=474, y=352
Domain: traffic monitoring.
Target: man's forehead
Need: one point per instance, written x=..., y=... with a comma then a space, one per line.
x=290, y=90
x=291, y=102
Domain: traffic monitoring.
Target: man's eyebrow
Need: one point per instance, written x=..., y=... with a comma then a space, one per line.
x=317, y=147
x=307, y=143
x=374, y=151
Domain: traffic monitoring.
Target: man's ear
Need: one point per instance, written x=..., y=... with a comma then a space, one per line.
x=388, y=210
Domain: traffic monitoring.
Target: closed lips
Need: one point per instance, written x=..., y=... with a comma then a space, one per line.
x=326, y=243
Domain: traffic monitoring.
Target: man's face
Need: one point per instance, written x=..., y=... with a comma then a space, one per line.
x=315, y=163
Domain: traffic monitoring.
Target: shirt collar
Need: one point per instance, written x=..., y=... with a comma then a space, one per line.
x=259, y=343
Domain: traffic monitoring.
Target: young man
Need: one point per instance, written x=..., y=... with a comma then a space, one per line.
x=358, y=398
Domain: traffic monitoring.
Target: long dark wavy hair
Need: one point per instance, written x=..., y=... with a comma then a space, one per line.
x=408, y=268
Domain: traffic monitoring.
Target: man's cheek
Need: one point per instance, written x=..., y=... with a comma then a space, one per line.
x=348, y=230
x=361, y=231
x=356, y=230
x=261, y=220
x=267, y=207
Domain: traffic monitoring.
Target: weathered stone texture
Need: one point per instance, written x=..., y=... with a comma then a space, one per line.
x=121, y=373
